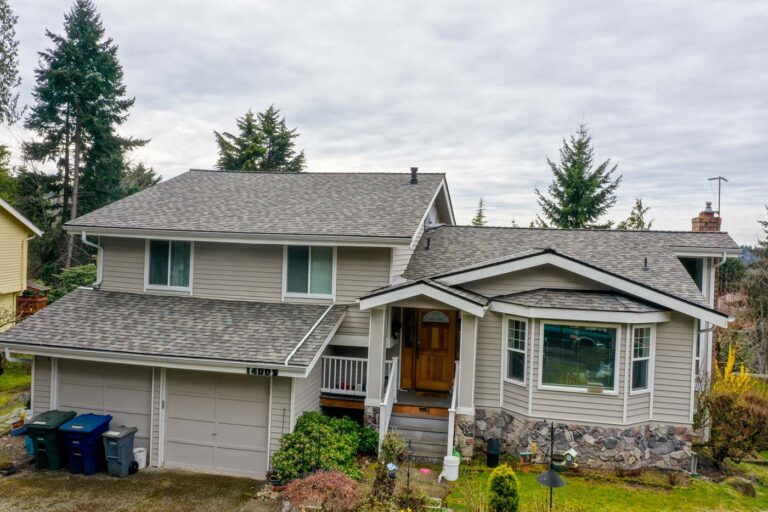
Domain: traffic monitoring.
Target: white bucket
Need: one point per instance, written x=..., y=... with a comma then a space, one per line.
x=450, y=468
x=140, y=456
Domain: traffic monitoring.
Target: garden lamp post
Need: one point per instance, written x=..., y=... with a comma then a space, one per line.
x=550, y=478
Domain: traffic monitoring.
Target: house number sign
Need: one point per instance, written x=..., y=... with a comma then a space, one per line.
x=262, y=372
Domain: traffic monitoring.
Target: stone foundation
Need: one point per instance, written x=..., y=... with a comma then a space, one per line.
x=649, y=445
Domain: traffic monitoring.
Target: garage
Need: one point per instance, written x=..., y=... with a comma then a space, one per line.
x=123, y=391
x=217, y=422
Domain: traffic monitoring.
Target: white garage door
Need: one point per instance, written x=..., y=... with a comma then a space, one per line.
x=123, y=391
x=217, y=422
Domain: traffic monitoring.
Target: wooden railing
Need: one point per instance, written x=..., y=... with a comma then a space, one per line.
x=452, y=409
x=390, y=397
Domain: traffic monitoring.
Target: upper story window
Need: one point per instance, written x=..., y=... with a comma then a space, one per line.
x=309, y=271
x=579, y=356
x=169, y=264
x=516, y=341
x=641, y=358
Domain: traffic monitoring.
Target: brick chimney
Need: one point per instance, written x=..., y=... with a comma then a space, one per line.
x=707, y=221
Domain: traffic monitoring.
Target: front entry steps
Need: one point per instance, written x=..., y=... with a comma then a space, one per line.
x=428, y=435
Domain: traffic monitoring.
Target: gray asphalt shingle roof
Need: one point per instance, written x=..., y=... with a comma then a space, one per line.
x=342, y=204
x=579, y=299
x=618, y=252
x=187, y=327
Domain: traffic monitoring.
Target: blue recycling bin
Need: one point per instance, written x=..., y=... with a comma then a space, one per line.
x=82, y=436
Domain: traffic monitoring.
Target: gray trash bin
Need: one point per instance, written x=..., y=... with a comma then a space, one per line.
x=118, y=446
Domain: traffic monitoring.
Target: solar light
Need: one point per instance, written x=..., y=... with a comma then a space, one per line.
x=550, y=478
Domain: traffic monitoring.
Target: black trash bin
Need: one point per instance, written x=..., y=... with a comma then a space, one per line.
x=494, y=449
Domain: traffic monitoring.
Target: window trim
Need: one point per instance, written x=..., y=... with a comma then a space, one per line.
x=297, y=295
x=505, y=349
x=574, y=389
x=651, y=359
x=161, y=287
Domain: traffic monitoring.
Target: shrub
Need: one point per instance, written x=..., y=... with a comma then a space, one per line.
x=70, y=279
x=317, y=443
x=329, y=490
x=736, y=412
x=392, y=448
x=504, y=489
x=415, y=500
x=382, y=490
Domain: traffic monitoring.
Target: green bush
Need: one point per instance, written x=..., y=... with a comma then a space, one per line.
x=504, y=490
x=70, y=279
x=392, y=448
x=321, y=442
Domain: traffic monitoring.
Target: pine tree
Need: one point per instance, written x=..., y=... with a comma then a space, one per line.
x=580, y=193
x=9, y=66
x=636, y=220
x=263, y=143
x=479, y=219
x=138, y=178
x=79, y=101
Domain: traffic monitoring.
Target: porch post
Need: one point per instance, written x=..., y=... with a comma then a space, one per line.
x=464, y=433
x=376, y=354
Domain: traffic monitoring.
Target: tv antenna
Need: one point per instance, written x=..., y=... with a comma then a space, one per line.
x=720, y=180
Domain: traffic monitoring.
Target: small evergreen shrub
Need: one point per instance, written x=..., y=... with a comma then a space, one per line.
x=392, y=448
x=504, y=490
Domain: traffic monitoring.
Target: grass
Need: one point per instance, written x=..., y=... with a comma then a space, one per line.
x=172, y=491
x=15, y=380
x=605, y=492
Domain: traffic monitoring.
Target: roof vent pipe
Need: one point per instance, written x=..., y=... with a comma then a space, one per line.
x=645, y=264
x=429, y=240
x=414, y=179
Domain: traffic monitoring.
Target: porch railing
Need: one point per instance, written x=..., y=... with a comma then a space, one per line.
x=347, y=375
x=452, y=409
x=390, y=397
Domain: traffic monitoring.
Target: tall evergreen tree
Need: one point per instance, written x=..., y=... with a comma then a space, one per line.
x=480, y=219
x=580, y=193
x=79, y=101
x=263, y=143
x=9, y=66
x=636, y=220
x=138, y=178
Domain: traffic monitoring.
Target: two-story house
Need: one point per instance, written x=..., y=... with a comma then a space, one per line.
x=15, y=233
x=227, y=304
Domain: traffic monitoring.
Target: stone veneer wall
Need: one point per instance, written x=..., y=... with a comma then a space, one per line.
x=649, y=445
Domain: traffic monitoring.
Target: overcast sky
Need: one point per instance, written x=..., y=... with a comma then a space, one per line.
x=674, y=92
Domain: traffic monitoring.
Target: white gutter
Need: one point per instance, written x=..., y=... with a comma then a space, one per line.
x=297, y=347
x=99, y=260
x=725, y=257
x=12, y=359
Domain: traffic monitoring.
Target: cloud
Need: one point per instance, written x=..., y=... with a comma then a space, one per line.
x=673, y=91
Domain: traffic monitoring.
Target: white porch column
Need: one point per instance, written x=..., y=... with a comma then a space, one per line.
x=376, y=354
x=467, y=355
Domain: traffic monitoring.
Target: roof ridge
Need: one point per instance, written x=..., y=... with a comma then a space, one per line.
x=305, y=173
x=522, y=228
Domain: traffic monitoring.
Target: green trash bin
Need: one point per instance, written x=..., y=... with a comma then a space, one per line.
x=48, y=445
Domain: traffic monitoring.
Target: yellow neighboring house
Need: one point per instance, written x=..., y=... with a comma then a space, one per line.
x=15, y=233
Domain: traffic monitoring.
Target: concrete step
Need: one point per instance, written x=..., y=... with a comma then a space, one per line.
x=417, y=422
x=421, y=435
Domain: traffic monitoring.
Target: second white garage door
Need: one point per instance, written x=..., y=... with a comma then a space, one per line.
x=217, y=422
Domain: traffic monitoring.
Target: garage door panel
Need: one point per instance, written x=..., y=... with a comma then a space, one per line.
x=240, y=461
x=245, y=387
x=189, y=455
x=201, y=432
x=191, y=407
x=78, y=395
x=140, y=421
x=82, y=372
x=243, y=436
x=123, y=399
x=243, y=413
x=133, y=377
x=200, y=383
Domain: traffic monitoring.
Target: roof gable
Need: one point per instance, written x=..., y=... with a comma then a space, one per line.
x=376, y=205
x=19, y=218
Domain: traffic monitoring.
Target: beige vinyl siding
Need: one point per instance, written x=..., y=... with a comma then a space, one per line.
x=673, y=370
x=488, y=369
x=576, y=406
x=545, y=276
x=154, y=442
x=400, y=258
x=13, y=254
x=307, y=394
x=280, y=411
x=638, y=408
x=123, y=264
x=41, y=394
x=359, y=270
x=238, y=271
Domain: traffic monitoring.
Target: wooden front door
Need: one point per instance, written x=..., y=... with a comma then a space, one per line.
x=434, y=350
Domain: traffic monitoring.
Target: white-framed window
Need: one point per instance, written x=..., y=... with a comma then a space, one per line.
x=642, y=359
x=516, y=336
x=310, y=271
x=579, y=357
x=168, y=265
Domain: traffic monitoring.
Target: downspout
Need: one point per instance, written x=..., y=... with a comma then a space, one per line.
x=11, y=359
x=99, y=260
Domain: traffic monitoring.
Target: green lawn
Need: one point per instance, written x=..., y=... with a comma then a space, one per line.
x=605, y=492
x=14, y=381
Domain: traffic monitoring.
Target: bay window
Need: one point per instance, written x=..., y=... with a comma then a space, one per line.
x=309, y=271
x=169, y=264
x=641, y=358
x=516, y=332
x=579, y=356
